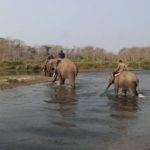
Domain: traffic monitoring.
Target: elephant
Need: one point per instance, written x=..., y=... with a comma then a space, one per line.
x=45, y=66
x=126, y=80
x=63, y=69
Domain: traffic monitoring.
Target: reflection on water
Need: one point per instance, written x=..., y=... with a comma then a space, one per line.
x=44, y=116
x=65, y=98
x=123, y=103
x=62, y=95
x=122, y=108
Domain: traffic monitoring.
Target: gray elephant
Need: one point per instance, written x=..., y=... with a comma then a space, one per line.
x=126, y=80
x=63, y=69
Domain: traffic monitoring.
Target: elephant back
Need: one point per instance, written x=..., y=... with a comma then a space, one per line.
x=128, y=76
x=66, y=66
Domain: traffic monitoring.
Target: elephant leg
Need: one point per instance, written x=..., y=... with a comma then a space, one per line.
x=136, y=93
x=133, y=91
x=55, y=78
x=45, y=72
x=72, y=81
x=62, y=81
x=124, y=91
x=116, y=89
x=54, y=75
x=73, y=84
x=49, y=74
x=45, y=69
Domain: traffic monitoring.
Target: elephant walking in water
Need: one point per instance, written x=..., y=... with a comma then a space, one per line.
x=63, y=69
x=126, y=80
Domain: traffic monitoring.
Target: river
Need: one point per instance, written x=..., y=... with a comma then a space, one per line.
x=53, y=117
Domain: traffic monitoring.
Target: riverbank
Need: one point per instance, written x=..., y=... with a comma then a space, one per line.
x=13, y=81
x=14, y=73
x=37, y=65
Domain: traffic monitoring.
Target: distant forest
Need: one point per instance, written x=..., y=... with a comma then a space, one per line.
x=14, y=49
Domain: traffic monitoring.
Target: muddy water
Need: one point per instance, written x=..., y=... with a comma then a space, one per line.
x=52, y=117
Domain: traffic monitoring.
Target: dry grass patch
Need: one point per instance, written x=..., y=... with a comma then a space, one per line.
x=12, y=81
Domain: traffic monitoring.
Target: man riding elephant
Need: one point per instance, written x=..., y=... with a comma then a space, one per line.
x=126, y=80
x=61, y=54
x=121, y=67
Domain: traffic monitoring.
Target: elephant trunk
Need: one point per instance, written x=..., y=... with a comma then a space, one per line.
x=108, y=86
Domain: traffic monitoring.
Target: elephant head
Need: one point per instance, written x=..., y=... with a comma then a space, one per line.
x=52, y=66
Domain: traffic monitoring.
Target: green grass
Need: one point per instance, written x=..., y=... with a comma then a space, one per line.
x=21, y=65
x=83, y=64
x=12, y=80
x=96, y=64
x=10, y=63
x=140, y=65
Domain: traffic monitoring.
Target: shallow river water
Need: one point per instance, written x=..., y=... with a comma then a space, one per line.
x=53, y=117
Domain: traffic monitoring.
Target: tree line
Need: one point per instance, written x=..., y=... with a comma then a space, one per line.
x=14, y=49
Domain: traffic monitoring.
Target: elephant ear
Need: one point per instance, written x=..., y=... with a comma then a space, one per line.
x=55, y=63
x=58, y=61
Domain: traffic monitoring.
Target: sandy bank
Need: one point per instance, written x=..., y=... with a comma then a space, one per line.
x=13, y=81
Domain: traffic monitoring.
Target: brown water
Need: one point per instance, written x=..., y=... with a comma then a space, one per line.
x=52, y=117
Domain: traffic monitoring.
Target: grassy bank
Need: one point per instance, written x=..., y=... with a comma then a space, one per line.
x=82, y=64
x=18, y=69
x=21, y=65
